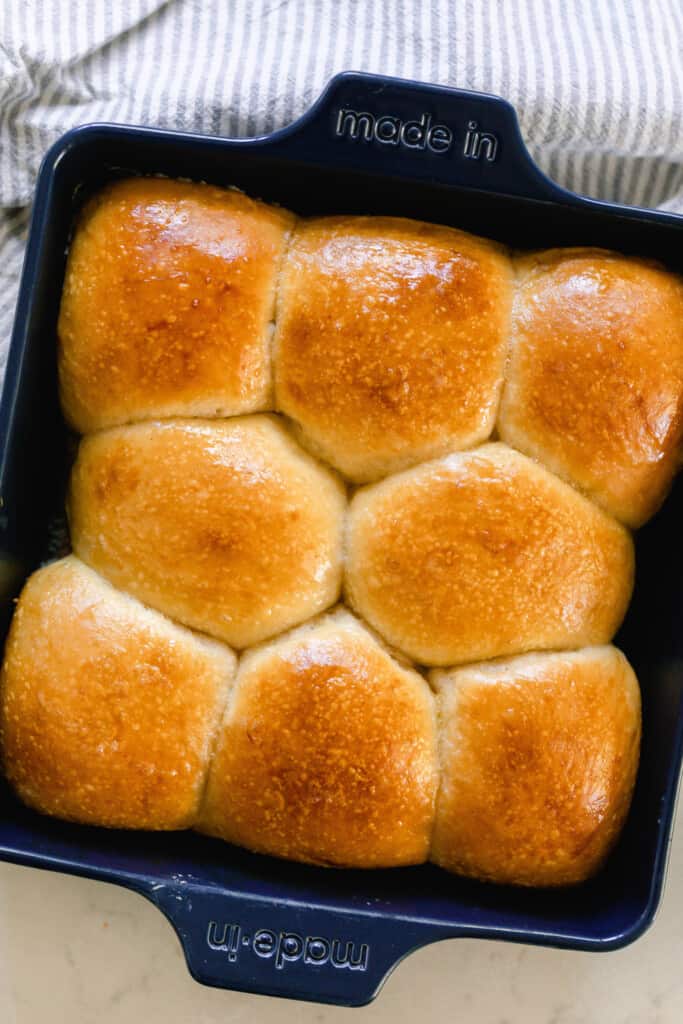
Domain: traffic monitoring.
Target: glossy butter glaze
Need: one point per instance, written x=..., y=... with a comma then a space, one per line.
x=538, y=758
x=108, y=711
x=595, y=382
x=168, y=300
x=327, y=753
x=391, y=340
x=226, y=525
x=483, y=554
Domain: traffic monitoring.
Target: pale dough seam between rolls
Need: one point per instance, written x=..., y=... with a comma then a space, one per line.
x=516, y=283
x=276, y=304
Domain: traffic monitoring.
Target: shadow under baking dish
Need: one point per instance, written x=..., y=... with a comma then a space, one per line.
x=336, y=934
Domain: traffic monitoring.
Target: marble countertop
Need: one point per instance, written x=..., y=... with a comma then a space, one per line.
x=74, y=951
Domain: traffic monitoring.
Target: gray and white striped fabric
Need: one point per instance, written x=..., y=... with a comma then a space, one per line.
x=598, y=84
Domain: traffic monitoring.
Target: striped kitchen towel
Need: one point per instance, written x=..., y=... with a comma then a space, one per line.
x=598, y=84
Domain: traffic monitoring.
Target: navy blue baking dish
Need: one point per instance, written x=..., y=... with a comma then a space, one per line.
x=369, y=145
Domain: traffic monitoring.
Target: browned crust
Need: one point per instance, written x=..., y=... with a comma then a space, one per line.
x=327, y=753
x=595, y=381
x=108, y=711
x=226, y=525
x=484, y=554
x=538, y=760
x=167, y=303
x=391, y=340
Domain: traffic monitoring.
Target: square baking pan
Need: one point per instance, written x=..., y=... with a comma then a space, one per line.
x=369, y=145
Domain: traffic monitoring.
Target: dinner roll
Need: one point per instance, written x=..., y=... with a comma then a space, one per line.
x=108, y=711
x=538, y=759
x=595, y=380
x=391, y=339
x=225, y=525
x=168, y=302
x=327, y=753
x=483, y=554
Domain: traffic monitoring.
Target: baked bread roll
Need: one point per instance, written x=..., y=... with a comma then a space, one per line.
x=538, y=759
x=327, y=753
x=108, y=711
x=483, y=554
x=225, y=525
x=391, y=339
x=595, y=380
x=168, y=302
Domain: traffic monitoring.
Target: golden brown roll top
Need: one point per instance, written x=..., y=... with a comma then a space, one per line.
x=324, y=748
x=595, y=381
x=483, y=554
x=225, y=525
x=108, y=711
x=167, y=304
x=327, y=753
x=538, y=759
x=391, y=340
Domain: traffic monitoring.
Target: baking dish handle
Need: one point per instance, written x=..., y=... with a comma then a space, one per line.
x=285, y=948
x=412, y=130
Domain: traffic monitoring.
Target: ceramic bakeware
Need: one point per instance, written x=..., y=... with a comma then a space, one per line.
x=368, y=145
